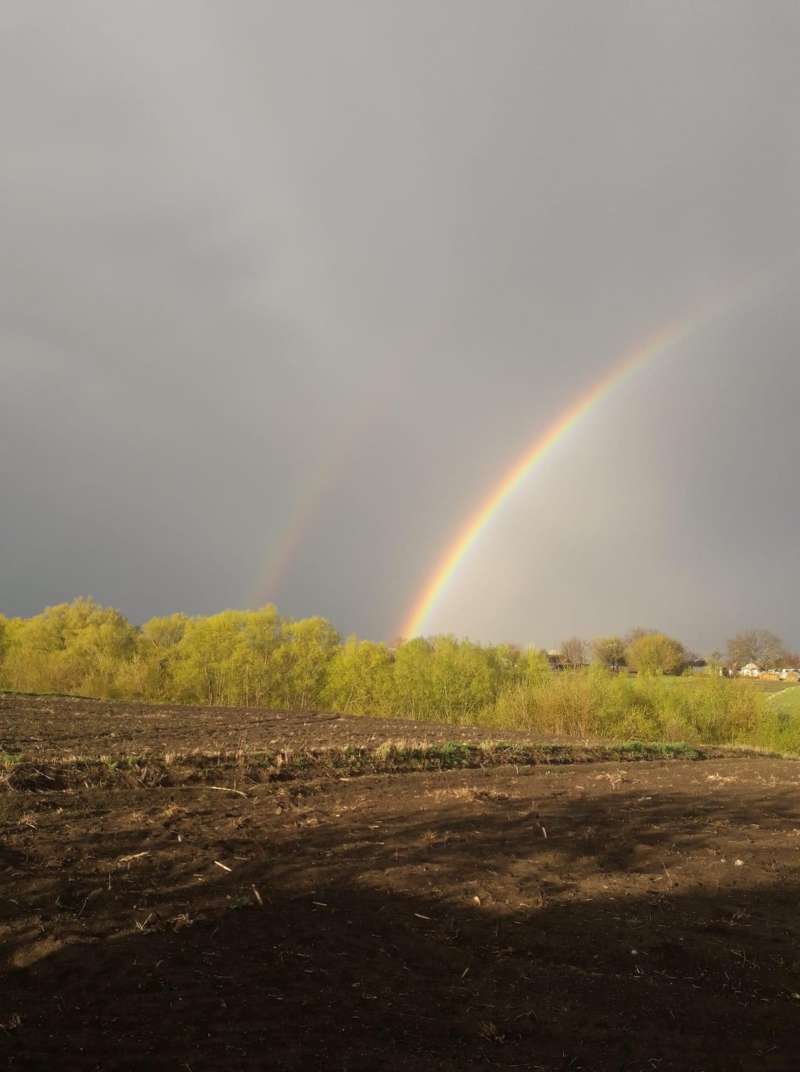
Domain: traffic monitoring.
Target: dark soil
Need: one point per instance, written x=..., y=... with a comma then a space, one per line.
x=61, y=728
x=598, y=916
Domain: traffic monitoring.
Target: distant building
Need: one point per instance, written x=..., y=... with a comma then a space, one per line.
x=750, y=670
x=789, y=675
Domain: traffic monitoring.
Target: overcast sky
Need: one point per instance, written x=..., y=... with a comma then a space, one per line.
x=286, y=287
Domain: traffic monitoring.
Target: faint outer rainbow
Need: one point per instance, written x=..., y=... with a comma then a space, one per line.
x=541, y=447
x=278, y=558
x=281, y=552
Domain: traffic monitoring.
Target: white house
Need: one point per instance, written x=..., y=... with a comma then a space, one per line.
x=750, y=670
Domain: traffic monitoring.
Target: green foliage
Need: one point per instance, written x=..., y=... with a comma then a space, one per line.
x=655, y=653
x=301, y=661
x=360, y=678
x=779, y=731
x=256, y=658
x=74, y=647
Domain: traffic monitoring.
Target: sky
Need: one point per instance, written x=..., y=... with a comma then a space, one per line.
x=288, y=287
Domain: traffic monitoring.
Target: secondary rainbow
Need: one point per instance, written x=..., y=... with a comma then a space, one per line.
x=282, y=550
x=536, y=453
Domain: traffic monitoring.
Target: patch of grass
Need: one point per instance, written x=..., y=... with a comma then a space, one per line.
x=658, y=750
x=788, y=699
x=771, y=687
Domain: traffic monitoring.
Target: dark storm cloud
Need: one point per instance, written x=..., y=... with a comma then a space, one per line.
x=248, y=243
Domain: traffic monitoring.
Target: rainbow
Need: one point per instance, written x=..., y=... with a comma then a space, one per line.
x=542, y=446
x=281, y=552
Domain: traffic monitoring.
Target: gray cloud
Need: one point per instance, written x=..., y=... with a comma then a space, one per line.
x=248, y=243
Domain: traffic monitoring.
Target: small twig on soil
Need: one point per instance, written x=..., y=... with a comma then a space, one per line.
x=522, y=1015
x=219, y=789
x=142, y=926
x=133, y=856
x=419, y=915
x=90, y=896
x=257, y=896
x=223, y=866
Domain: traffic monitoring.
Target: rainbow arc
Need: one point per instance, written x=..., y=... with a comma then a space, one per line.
x=475, y=525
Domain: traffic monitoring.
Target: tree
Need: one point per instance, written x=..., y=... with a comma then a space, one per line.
x=149, y=673
x=574, y=652
x=413, y=678
x=74, y=647
x=205, y=659
x=307, y=647
x=655, y=653
x=609, y=652
x=758, y=646
x=464, y=676
x=360, y=678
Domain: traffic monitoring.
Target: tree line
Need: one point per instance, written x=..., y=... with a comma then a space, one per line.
x=253, y=658
x=649, y=651
x=256, y=658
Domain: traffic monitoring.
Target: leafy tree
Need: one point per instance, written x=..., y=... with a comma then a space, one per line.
x=163, y=634
x=360, y=678
x=464, y=677
x=73, y=647
x=413, y=678
x=655, y=653
x=307, y=647
x=204, y=658
x=535, y=667
x=260, y=637
x=149, y=673
x=609, y=652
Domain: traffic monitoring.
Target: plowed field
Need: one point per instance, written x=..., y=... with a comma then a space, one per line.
x=587, y=915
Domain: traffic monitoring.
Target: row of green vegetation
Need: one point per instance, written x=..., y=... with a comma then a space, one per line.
x=258, y=659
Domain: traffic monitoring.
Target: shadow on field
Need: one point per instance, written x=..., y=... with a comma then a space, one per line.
x=560, y=937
